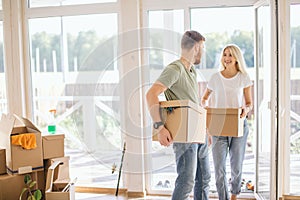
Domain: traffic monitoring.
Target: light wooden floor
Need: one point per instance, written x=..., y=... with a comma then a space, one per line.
x=83, y=196
x=84, y=193
x=89, y=196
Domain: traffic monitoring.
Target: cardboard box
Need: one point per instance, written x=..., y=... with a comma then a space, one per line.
x=58, y=190
x=40, y=178
x=18, y=159
x=225, y=122
x=53, y=146
x=185, y=120
x=2, y=161
x=63, y=168
x=11, y=186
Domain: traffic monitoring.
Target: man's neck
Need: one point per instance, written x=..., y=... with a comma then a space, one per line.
x=186, y=62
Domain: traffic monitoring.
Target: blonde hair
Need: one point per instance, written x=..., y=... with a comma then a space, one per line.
x=238, y=55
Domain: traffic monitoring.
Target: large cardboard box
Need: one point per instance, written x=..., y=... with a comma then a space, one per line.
x=18, y=159
x=185, y=120
x=58, y=190
x=53, y=146
x=11, y=186
x=2, y=161
x=225, y=122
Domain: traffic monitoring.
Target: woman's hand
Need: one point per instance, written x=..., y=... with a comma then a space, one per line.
x=245, y=111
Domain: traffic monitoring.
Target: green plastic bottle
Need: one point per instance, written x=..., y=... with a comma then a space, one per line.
x=51, y=125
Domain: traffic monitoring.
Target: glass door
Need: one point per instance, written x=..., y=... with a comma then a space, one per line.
x=266, y=71
x=294, y=157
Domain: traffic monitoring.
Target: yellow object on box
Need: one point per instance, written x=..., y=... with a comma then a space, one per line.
x=225, y=122
x=27, y=140
x=185, y=120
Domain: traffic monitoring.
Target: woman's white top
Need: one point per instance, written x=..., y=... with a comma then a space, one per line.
x=228, y=92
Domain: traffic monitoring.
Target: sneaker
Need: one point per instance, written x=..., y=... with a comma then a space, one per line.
x=250, y=186
x=167, y=184
x=159, y=184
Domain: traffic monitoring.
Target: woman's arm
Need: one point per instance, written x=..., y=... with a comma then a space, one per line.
x=248, y=101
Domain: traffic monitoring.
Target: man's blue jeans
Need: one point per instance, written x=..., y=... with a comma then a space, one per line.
x=193, y=171
x=236, y=147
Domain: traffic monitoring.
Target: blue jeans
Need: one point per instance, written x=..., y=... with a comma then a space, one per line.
x=193, y=170
x=236, y=147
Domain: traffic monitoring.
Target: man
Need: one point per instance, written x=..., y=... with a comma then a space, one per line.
x=178, y=81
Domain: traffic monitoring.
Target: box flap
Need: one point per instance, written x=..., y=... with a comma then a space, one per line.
x=53, y=137
x=6, y=124
x=181, y=103
x=51, y=175
x=224, y=111
x=27, y=123
x=6, y=127
x=9, y=121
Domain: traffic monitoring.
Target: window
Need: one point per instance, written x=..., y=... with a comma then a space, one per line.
x=264, y=93
x=295, y=100
x=224, y=27
x=164, y=40
x=3, y=100
x=165, y=29
x=221, y=26
x=165, y=32
x=74, y=72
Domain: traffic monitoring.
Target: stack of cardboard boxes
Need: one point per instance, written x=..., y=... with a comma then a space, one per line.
x=24, y=150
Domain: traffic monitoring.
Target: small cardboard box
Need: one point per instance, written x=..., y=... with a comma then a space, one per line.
x=18, y=159
x=53, y=146
x=225, y=122
x=2, y=161
x=63, y=168
x=185, y=120
x=58, y=190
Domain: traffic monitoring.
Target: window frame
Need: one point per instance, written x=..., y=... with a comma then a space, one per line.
x=155, y=5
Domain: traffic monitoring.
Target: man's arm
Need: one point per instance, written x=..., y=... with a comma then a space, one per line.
x=164, y=137
x=205, y=97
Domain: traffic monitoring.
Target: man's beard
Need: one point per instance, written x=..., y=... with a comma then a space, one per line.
x=197, y=61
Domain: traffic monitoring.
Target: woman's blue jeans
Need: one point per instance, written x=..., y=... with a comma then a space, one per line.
x=236, y=147
x=193, y=171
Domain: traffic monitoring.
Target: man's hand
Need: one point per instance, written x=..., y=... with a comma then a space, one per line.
x=164, y=136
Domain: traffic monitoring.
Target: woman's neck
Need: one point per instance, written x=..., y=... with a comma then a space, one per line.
x=229, y=72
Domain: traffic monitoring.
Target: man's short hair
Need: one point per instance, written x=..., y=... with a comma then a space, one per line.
x=189, y=39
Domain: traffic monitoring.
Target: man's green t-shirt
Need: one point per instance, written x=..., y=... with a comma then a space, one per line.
x=181, y=82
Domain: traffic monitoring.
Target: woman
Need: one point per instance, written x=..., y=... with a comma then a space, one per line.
x=229, y=88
